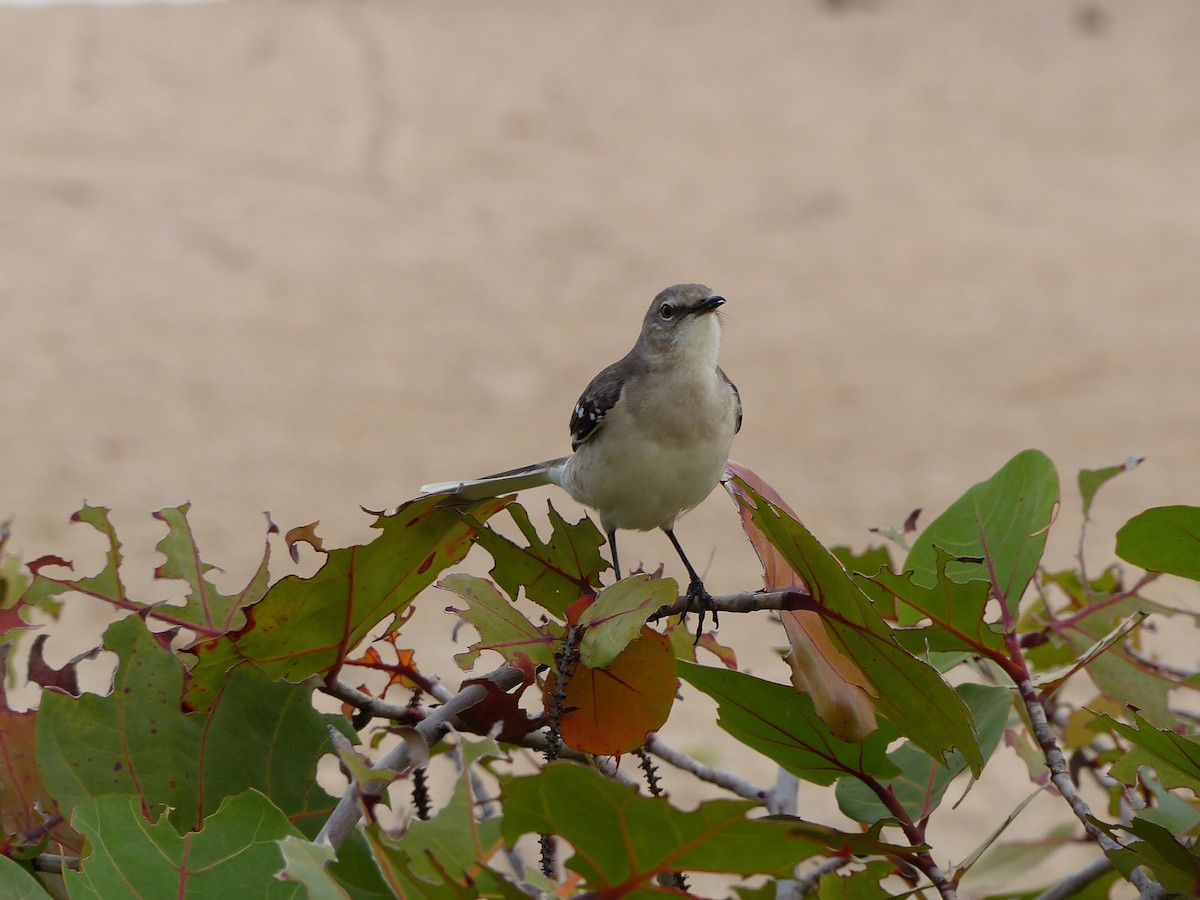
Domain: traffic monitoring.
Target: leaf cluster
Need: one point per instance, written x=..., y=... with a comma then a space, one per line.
x=204, y=768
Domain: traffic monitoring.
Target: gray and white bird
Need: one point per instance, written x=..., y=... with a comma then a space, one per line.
x=651, y=433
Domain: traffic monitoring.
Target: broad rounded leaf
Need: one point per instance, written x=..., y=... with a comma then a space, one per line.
x=610, y=711
x=1163, y=539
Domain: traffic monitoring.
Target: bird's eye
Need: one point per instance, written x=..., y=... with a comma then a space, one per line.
x=666, y=311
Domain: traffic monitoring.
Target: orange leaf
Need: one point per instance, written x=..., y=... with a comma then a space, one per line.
x=611, y=711
x=832, y=679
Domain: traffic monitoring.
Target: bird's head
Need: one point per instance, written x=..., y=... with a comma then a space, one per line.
x=682, y=321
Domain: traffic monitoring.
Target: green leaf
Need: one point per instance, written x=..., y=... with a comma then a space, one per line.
x=860, y=885
x=956, y=611
x=306, y=626
x=456, y=838
x=1002, y=521
x=105, y=585
x=1163, y=539
x=554, y=573
x=922, y=781
x=623, y=838
x=863, y=565
x=1090, y=480
x=205, y=609
x=1174, y=866
x=307, y=864
x=134, y=741
x=274, y=724
x=907, y=690
x=500, y=625
x=1175, y=757
x=617, y=615
x=16, y=883
x=781, y=724
x=236, y=854
x=138, y=741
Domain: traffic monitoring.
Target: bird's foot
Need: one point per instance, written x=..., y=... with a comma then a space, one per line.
x=699, y=600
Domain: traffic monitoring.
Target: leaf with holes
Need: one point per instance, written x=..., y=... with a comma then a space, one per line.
x=995, y=532
x=306, y=626
x=554, y=573
x=501, y=626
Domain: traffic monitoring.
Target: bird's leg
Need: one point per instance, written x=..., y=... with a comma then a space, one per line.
x=698, y=598
x=612, y=546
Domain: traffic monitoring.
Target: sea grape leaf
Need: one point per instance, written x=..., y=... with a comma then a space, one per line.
x=610, y=711
x=134, y=741
x=104, y=585
x=554, y=573
x=307, y=864
x=617, y=615
x=1173, y=865
x=273, y=723
x=395, y=864
x=1163, y=539
x=622, y=838
x=235, y=854
x=25, y=804
x=306, y=626
x=1175, y=757
x=922, y=781
x=956, y=610
x=137, y=740
x=783, y=725
x=995, y=532
x=17, y=883
x=500, y=625
x=1091, y=480
x=916, y=699
x=860, y=885
x=205, y=609
x=831, y=677
x=863, y=564
x=456, y=838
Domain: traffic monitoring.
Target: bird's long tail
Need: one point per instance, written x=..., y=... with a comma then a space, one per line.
x=501, y=483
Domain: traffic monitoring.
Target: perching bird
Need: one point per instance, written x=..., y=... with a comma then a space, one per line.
x=651, y=433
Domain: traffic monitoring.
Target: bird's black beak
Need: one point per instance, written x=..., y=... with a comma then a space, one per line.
x=707, y=305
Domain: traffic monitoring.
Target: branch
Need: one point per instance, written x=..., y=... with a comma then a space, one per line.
x=743, y=602
x=347, y=812
x=1057, y=764
x=1077, y=881
x=726, y=780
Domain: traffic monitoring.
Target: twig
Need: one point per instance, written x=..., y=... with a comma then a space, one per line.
x=1077, y=881
x=726, y=780
x=743, y=602
x=810, y=881
x=377, y=706
x=347, y=812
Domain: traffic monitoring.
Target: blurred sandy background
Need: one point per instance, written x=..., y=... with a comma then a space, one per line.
x=301, y=256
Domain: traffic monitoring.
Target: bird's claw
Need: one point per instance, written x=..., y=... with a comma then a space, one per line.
x=699, y=600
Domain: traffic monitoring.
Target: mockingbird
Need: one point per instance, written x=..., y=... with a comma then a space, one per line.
x=651, y=433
